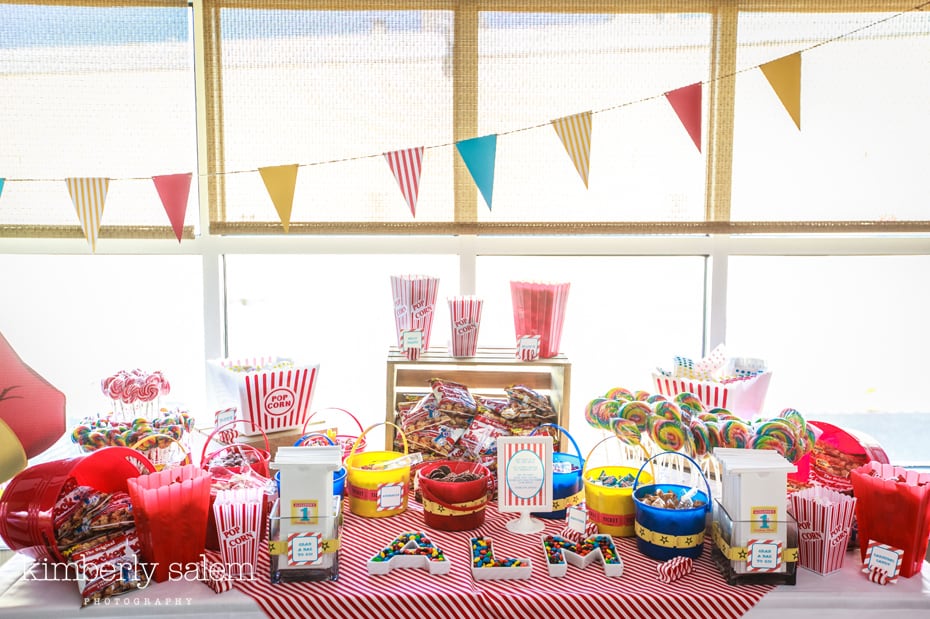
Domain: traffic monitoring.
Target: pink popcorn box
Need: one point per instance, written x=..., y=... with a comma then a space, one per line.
x=465, y=315
x=539, y=309
x=414, y=307
x=270, y=393
x=824, y=519
x=742, y=397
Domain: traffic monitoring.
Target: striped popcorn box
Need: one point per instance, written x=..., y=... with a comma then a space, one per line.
x=214, y=575
x=673, y=569
x=824, y=519
x=414, y=307
x=238, y=516
x=465, y=314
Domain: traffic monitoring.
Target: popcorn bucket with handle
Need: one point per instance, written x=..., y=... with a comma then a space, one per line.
x=346, y=441
x=610, y=507
x=663, y=533
x=376, y=492
x=567, y=486
x=454, y=505
x=27, y=504
x=256, y=459
x=243, y=458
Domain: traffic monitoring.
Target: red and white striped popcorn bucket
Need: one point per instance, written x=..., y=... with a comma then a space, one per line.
x=743, y=397
x=414, y=307
x=239, y=518
x=465, y=315
x=271, y=392
x=824, y=520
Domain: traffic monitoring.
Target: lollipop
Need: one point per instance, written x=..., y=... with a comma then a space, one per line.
x=667, y=434
x=637, y=412
x=589, y=412
x=656, y=397
x=641, y=395
x=713, y=435
x=794, y=417
x=686, y=398
x=619, y=393
x=700, y=437
x=668, y=410
x=735, y=433
x=778, y=431
x=606, y=412
x=627, y=431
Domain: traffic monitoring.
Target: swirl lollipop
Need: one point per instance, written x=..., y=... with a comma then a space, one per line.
x=667, y=434
x=606, y=411
x=637, y=412
x=700, y=437
x=627, y=431
x=589, y=412
x=641, y=395
x=686, y=398
x=668, y=410
x=656, y=397
x=736, y=433
x=619, y=393
x=774, y=432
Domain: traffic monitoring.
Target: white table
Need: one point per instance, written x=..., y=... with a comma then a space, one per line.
x=845, y=594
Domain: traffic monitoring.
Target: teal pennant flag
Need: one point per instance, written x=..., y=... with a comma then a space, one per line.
x=478, y=155
x=2, y=180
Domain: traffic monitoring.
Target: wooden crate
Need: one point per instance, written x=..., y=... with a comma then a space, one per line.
x=486, y=374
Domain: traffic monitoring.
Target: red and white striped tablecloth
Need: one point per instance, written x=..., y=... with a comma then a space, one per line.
x=589, y=593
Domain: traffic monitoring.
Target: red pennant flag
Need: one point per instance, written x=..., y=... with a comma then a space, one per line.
x=174, y=190
x=405, y=164
x=686, y=101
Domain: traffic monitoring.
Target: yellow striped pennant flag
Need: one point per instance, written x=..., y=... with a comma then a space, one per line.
x=575, y=133
x=89, y=196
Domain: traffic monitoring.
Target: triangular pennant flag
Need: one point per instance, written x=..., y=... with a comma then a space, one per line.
x=478, y=155
x=405, y=164
x=280, y=181
x=784, y=75
x=89, y=196
x=686, y=101
x=2, y=180
x=174, y=190
x=575, y=133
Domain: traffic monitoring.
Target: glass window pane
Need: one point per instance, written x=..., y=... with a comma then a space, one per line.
x=616, y=331
x=333, y=310
x=95, y=92
x=535, y=68
x=864, y=138
x=845, y=337
x=332, y=91
x=78, y=319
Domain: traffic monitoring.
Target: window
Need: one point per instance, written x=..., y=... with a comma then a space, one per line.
x=763, y=237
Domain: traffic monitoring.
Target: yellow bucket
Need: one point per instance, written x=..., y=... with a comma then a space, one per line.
x=612, y=509
x=374, y=492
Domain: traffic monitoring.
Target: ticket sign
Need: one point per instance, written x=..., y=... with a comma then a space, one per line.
x=524, y=465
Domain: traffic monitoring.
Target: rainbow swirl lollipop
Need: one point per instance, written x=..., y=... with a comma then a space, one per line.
x=656, y=397
x=686, y=398
x=667, y=434
x=606, y=412
x=619, y=393
x=589, y=412
x=668, y=410
x=642, y=396
x=700, y=437
x=713, y=435
x=637, y=412
x=779, y=431
x=736, y=433
x=627, y=431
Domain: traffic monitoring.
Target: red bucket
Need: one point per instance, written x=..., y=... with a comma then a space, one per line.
x=27, y=505
x=454, y=505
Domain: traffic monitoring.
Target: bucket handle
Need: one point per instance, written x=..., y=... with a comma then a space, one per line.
x=375, y=425
x=584, y=465
x=332, y=408
x=428, y=495
x=203, y=454
x=145, y=439
x=563, y=431
x=300, y=441
x=697, y=467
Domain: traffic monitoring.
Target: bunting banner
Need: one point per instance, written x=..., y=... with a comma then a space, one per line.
x=405, y=164
x=575, y=133
x=174, y=190
x=478, y=155
x=2, y=180
x=784, y=75
x=686, y=101
x=280, y=182
x=89, y=196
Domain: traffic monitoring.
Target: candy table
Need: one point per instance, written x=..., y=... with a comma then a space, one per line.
x=413, y=592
